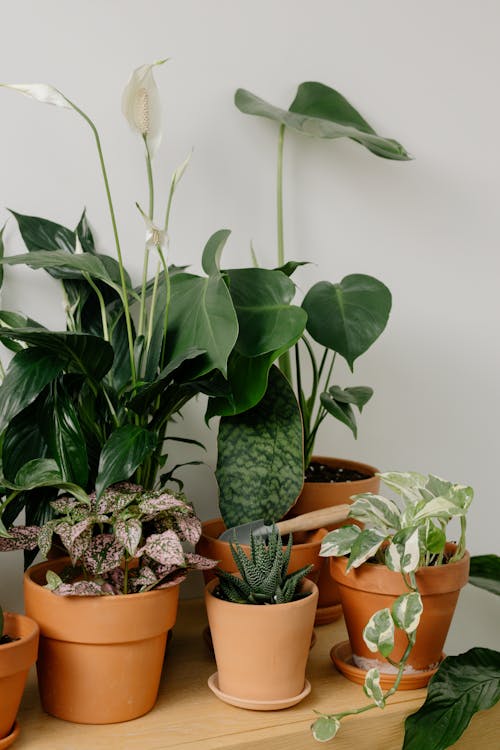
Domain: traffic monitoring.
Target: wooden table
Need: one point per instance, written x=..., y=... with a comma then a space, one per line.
x=190, y=717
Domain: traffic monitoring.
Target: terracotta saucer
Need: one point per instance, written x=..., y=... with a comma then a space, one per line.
x=341, y=655
x=325, y=615
x=10, y=738
x=213, y=684
x=207, y=637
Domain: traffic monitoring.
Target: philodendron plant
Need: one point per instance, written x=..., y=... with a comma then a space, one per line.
x=344, y=318
x=93, y=404
x=405, y=538
x=128, y=540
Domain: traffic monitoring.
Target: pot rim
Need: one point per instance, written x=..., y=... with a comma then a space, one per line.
x=300, y=545
x=22, y=639
x=347, y=463
x=306, y=583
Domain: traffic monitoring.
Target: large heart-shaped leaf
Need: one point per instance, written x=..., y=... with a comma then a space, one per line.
x=122, y=453
x=485, y=572
x=322, y=112
x=64, y=435
x=463, y=685
x=347, y=317
x=260, y=461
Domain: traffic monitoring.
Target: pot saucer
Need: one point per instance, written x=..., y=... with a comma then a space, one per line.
x=213, y=684
x=325, y=615
x=341, y=655
x=207, y=637
x=11, y=737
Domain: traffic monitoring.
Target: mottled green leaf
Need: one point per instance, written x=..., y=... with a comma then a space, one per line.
x=372, y=687
x=485, y=572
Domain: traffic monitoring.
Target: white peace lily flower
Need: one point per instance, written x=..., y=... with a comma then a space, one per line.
x=141, y=105
x=42, y=92
x=155, y=237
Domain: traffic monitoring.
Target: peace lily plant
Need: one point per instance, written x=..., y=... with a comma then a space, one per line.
x=92, y=405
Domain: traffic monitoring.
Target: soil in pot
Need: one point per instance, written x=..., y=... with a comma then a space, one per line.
x=16, y=657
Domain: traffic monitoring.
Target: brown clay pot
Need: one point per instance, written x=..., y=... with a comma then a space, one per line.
x=16, y=658
x=261, y=651
x=100, y=657
x=316, y=495
x=303, y=552
x=365, y=590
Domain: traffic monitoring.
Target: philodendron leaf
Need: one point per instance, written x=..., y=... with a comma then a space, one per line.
x=379, y=632
x=403, y=553
x=339, y=541
x=376, y=510
x=322, y=112
x=325, y=728
x=359, y=395
x=365, y=546
x=347, y=317
x=260, y=465
x=212, y=252
x=406, y=611
x=341, y=411
x=485, y=572
x=463, y=685
x=372, y=687
x=122, y=453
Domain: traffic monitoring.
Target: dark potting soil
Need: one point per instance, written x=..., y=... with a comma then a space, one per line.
x=318, y=472
x=7, y=639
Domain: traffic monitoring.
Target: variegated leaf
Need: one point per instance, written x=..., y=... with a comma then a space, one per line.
x=459, y=494
x=20, y=537
x=439, y=507
x=406, y=611
x=115, y=498
x=45, y=535
x=144, y=579
x=189, y=527
x=175, y=579
x=103, y=554
x=165, y=548
x=80, y=588
x=339, y=541
x=379, y=632
x=403, y=553
x=376, y=510
x=325, y=728
x=372, y=687
x=53, y=580
x=152, y=503
x=64, y=504
x=113, y=581
x=366, y=544
x=407, y=484
x=128, y=532
x=80, y=545
x=198, y=562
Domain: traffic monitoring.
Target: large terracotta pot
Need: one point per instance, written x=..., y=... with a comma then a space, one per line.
x=16, y=658
x=100, y=657
x=305, y=553
x=316, y=495
x=261, y=651
x=365, y=590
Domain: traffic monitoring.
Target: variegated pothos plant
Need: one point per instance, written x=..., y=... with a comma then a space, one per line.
x=404, y=537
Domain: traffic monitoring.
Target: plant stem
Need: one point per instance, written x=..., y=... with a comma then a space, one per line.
x=125, y=576
x=284, y=360
x=149, y=169
x=102, y=305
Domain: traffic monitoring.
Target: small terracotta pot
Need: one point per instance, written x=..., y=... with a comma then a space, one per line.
x=16, y=658
x=365, y=590
x=261, y=650
x=100, y=657
x=316, y=495
x=305, y=553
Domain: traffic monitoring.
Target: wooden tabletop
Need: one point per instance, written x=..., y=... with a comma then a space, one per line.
x=190, y=717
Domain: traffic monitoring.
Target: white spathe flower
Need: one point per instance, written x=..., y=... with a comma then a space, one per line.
x=155, y=237
x=42, y=92
x=141, y=105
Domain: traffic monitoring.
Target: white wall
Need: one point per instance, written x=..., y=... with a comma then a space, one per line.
x=424, y=73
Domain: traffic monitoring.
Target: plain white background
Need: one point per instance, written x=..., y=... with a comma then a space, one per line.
x=424, y=73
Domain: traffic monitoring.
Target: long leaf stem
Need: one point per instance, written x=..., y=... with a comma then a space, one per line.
x=284, y=360
x=102, y=305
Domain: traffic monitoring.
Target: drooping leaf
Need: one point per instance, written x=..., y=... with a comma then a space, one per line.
x=150, y=392
x=439, y=507
x=339, y=541
x=259, y=469
x=2, y=253
x=378, y=633
x=291, y=266
x=64, y=436
x=341, y=411
x=122, y=453
x=347, y=317
x=325, y=728
x=403, y=552
x=463, y=685
x=485, y=572
x=43, y=472
x=376, y=510
x=365, y=546
x=359, y=395
x=372, y=687
x=212, y=252
x=407, y=484
x=406, y=611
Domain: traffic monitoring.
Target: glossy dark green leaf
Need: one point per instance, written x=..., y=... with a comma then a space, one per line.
x=359, y=395
x=44, y=472
x=267, y=319
x=82, y=352
x=42, y=234
x=462, y=686
x=64, y=435
x=340, y=410
x=122, y=453
x=212, y=252
x=260, y=463
x=347, y=317
x=322, y=112
x=157, y=333
x=291, y=266
x=23, y=441
x=84, y=233
x=149, y=393
x=485, y=572
x=2, y=253
x=30, y=370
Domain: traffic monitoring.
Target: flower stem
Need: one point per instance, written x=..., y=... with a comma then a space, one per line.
x=149, y=169
x=284, y=360
x=102, y=305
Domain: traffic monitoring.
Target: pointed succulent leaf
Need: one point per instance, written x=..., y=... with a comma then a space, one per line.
x=406, y=611
x=378, y=633
x=325, y=728
x=165, y=548
x=372, y=687
x=339, y=541
x=403, y=553
x=375, y=509
x=367, y=543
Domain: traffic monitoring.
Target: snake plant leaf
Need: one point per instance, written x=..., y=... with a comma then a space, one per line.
x=30, y=370
x=406, y=611
x=325, y=728
x=372, y=687
x=64, y=436
x=378, y=633
x=485, y=572
x=122, y=453
x=23, y=440
x=348, y=317
x=463, y=685
x=260, y=463
x=321, y=112
x=84, y=234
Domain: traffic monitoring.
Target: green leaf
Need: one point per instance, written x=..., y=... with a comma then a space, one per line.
x=122, y=453
x=403, y=552
x=406, y=611
x=42, y=234
x=44, y=472
x=485, y=572
x=347, y=317
x=2, y=253
x=23, y=441
x=462, y=686
x=372, y=687
x=260, y=465
x=322, y=112
x=359, y=395
x=379, y=632
x=341, y=411
x=365, y=546
x=84, y=234
x=407, y=484
x=291, y=266
x=439, y=507
x=149, y=393
x=64, y=436
x=325, y=728
x=157, y=336
x=375, y=510
x=30, y=370
x=435, y=539
x=212, y=252
x=339, y=541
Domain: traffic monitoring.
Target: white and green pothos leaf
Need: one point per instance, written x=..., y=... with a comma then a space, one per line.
x=325, y=728
x=403, y=553
x=366, y=544
x=372, y=687
x=407, y=484
x=406, y=611
x=377, y=510
x=439, y=507
x=339, y=541
x=379, y=632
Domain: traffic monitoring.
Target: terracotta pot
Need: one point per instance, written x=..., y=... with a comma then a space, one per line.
x=303, y=553
x=16, y=658
x=100, y=658
x=371, y=587
x=316, y=495
x=261, y=651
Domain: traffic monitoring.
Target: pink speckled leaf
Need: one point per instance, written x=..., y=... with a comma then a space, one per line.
x=103, y=554
x=189, y=527
x=165, y=548
x=175, y=580
x=128, y=533
x=21, y=537
x=152, y=503
x=80, y=588
x=198, y=562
